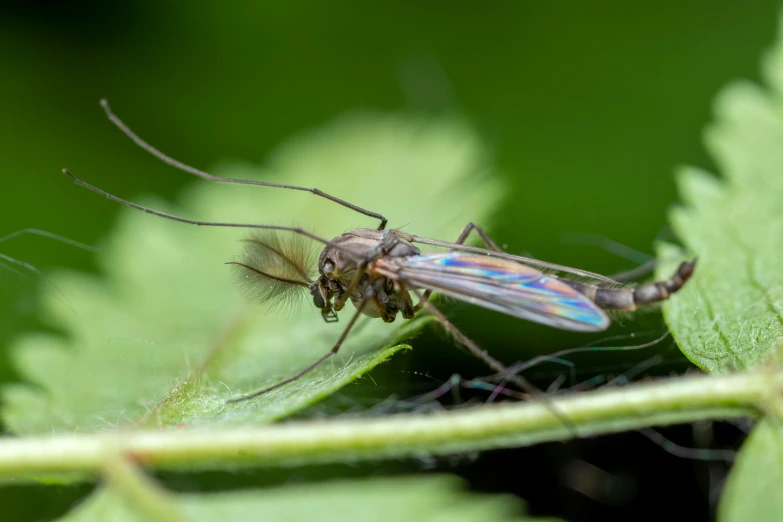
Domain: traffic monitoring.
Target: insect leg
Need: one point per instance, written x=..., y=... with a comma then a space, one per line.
x=44, y=233
x=295, y=230
x=456, y=382
x=339, y=302
x=5, y=260
x=490, y=361
x=629, y=299
x=482, y=234
x=634, y=273
x=205, y=175
x=408, y=309
x=27, y=266
x=312, y=365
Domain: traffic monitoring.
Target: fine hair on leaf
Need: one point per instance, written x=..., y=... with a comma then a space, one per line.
x=274, y=270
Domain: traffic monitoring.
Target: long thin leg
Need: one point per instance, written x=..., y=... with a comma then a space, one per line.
x=646, y=264
x=340, y=301
x=44, y=233
x=295, y=230
x=456, y=382
x=482, y=234
x=6, y=260
x=26, y=266
x=452, y=385
x=312, y=365
x=557, y=357
x=490, y=361
x=634, y=273
x=205, y=175
x=55, y=292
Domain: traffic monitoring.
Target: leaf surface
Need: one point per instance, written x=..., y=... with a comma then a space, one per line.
x=164, y=338
x=752, y=490
x=731, y=314
x=435, y=498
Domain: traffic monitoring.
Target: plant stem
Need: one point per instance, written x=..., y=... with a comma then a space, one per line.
x=673, y=401
x=140, y=492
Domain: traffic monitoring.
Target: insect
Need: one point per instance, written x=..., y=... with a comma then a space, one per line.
x=384, y=274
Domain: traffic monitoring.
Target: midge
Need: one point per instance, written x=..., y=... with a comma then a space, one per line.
x=381, y=272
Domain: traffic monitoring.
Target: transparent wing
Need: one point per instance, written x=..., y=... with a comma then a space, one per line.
x=526, y=260
x=500, y=285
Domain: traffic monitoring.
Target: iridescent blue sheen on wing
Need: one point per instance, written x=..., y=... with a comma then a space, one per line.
x=505, y=286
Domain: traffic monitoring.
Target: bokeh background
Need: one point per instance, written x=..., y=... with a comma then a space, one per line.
x=588, y=108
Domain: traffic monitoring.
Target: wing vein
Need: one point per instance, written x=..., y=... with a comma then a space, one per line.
x=504, y=286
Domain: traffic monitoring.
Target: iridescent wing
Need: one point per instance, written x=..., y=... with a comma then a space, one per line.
x=500, y=285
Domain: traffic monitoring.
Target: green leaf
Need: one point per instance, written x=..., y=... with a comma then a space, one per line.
x=731, y=314
x=433, y=498
x=165, y=337
x=752, y=491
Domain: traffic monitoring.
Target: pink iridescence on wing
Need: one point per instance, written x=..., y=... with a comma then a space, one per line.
x=498, y=284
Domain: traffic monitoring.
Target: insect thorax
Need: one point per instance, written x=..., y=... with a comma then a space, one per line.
x=339, y=262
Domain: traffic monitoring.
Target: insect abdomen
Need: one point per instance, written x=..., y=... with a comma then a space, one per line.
x=629, y=299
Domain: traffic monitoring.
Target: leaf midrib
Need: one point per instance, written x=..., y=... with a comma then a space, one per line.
x=219, y=346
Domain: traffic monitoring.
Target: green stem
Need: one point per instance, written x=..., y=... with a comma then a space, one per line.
x=677, y=400
x=141, y=494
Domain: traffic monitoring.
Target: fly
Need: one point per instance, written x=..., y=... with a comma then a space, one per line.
x=381, y=272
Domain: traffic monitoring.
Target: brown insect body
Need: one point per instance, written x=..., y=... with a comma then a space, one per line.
x=630, y=299
x=367, y=267
x=373, y=294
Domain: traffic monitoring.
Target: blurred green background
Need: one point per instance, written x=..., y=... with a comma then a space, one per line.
x=589, y=107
